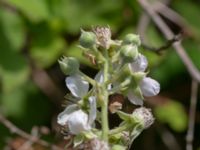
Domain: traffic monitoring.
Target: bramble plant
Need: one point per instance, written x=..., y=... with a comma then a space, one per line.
x=121, y=71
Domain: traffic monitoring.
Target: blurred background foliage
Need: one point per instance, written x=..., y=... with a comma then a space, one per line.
x=34, y=34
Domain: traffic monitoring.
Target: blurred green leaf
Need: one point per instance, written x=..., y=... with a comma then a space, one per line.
x=46, y=46
x=193, y=50
x=14, y=70
x=75, y=14
x=26, y=106
x=172, y=113
x=13, y=28
x=169, y=68
x=190, y=15
x=153, y=39
x=35, y=10
x=74, y=51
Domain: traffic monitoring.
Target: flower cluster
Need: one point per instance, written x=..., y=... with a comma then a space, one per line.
x=121, y=71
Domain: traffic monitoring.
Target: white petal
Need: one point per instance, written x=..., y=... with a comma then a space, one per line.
x=140, y=64
x=77, y=86
x=149, y=87
x=63, y=116
x=92, y=113
x=134, y=99
x=78, y=122
x=99, y=76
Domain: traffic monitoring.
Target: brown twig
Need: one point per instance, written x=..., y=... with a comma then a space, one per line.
x=192, y=112
x=195, y=74
x=46, y=85
x=18, y=131
x=167, y=45
x=167, y=32
x=168, y=138
x=173, y=16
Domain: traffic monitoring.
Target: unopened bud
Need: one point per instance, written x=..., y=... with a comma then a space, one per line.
x=87, y=39
x=140, y=64
x=132, y=39
x=69, y=65
x=144, y=116
x=129, y=52
x=149, y=86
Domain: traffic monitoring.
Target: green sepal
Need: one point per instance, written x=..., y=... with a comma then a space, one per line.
x=118, y=147
x=124, y=116
x=89, y=135
x=138, y=76
x=78, y=139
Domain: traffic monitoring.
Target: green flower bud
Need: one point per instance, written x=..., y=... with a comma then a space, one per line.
x=129, y=53
x=69, y=65
x=132, y=39
x=87, y=39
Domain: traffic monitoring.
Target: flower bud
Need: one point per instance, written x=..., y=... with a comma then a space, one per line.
x=140, y=64
x=149, y=86
x=69, y=65
x=87, y=39
x=132, y=39
x=129, y=52
x=144, y=116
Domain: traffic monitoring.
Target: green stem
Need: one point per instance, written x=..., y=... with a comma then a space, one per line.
x=104, y=107
x=121, y=129
x=104, y=118
x=87, y=78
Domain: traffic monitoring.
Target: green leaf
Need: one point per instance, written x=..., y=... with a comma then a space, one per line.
x=153, y=39
x=190, y=15
x=46, y=46
x=13, y=29
x=170, y=67
x=26, y=106
x=193, y=50
x=35, y=10
x=14, y=70
x=75, y=14
x=172, y=113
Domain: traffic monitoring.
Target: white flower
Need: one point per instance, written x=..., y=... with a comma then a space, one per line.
x=63, y=116
x=140, y=64
x=77, y=86
x=73, y=117
x=76, y=119
x=149, y=87
x=78, y=122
